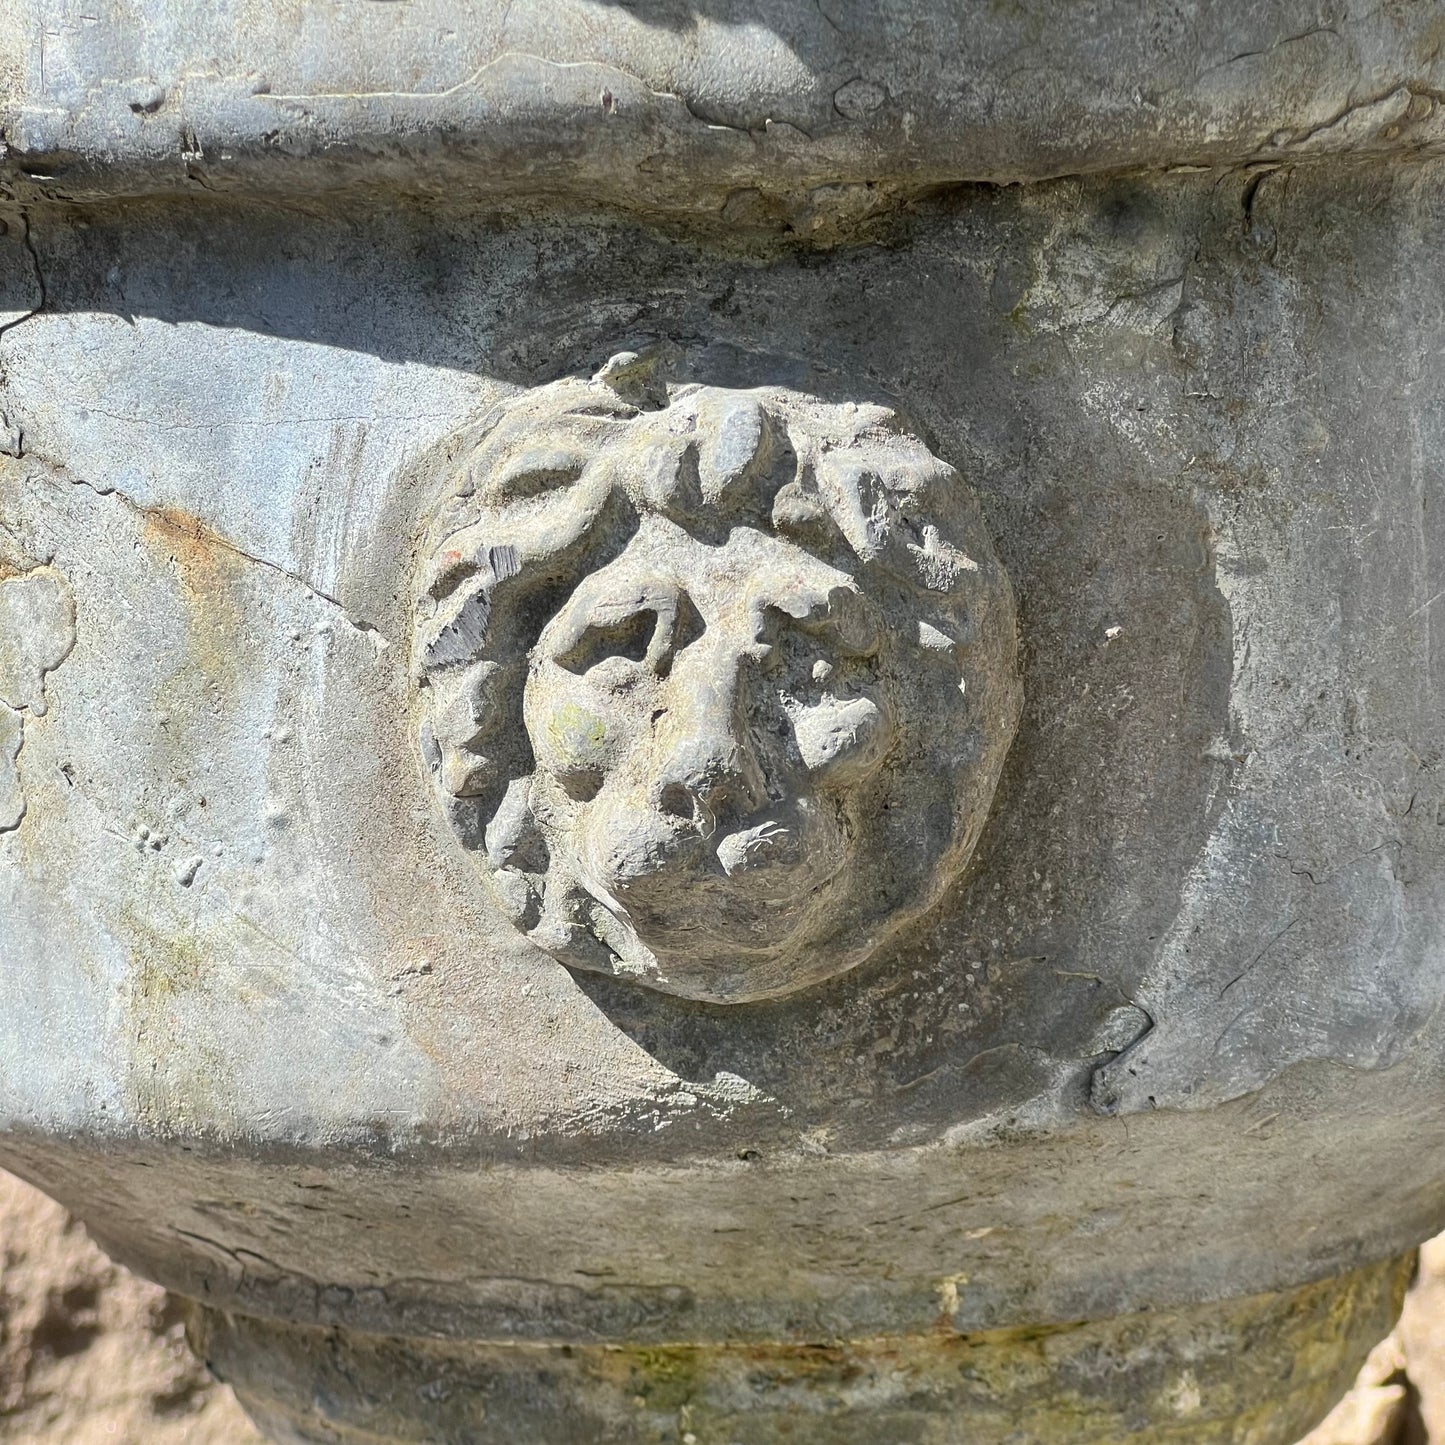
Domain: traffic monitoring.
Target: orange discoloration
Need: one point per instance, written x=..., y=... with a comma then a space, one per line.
x=199, y=553
x=207, y=569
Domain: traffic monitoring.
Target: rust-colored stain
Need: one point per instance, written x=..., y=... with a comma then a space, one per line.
x=202, y=556
x=207, y=568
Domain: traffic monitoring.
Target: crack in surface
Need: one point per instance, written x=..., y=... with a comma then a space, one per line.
x=830, y=22
x=12, y=720
x=1353, y=107
x=201, y=533
x=1270, y=49
x=36, y=637
x=473, y=79
x=1248, y=967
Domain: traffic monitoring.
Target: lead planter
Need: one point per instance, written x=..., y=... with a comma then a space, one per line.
x=674, y=769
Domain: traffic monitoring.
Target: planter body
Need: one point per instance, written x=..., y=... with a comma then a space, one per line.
x=1126, y=1010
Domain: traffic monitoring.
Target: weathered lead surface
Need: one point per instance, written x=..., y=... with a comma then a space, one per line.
x=1196, y=944
x=1150, y=1016
x=1192, y=1381
x=803, y=114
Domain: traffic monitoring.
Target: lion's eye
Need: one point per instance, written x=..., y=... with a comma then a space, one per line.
x=535, y=470
x=628, y=638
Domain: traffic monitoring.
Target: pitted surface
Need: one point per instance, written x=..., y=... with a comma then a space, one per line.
x=1196, y=942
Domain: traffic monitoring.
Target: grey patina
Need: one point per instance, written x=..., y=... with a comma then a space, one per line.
x=1169, y=1038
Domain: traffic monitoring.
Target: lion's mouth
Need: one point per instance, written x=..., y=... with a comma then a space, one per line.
x=748, y=888
x=764, y=845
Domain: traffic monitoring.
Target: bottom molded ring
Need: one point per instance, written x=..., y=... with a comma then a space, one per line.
x=1260, y=1370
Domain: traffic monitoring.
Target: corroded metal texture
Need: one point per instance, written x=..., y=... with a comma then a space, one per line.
x=1263, y=1368
x=804, y=116
x=586, y=766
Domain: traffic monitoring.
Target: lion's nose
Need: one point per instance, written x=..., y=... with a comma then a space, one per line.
x=710, y=774
x=710, y=797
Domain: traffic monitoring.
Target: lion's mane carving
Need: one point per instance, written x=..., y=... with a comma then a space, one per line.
x=716, y=684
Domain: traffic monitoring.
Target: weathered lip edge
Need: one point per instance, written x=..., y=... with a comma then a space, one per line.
x=524, y=129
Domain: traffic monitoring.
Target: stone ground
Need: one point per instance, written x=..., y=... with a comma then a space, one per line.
x=1399, y=1398
x=90, y=1355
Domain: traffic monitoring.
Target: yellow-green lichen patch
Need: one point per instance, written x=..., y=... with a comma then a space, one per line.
x=575, y=732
